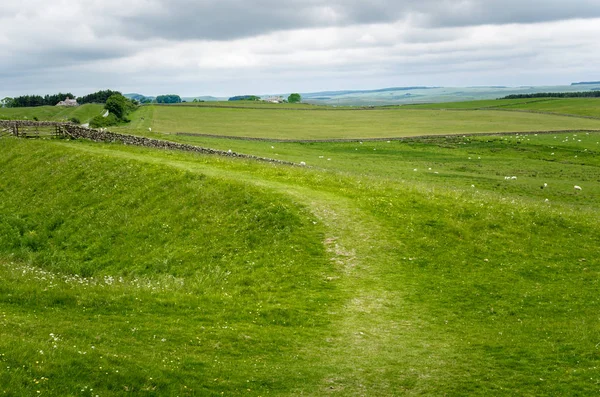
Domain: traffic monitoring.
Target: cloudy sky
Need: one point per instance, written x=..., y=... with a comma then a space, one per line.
x=230, y=47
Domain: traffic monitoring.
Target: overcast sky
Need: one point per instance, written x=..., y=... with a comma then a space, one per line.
x=231, y=47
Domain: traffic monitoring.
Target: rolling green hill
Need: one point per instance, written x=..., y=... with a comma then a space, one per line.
x=431, y=266
x=587, y=107
x=53, y=113
x=335, y=124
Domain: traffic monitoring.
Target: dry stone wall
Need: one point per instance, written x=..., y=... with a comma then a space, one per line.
x=102, y=135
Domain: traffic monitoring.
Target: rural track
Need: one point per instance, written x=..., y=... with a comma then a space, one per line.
x=375, y=321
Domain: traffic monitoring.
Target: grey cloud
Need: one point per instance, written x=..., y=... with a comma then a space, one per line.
x=231, y=19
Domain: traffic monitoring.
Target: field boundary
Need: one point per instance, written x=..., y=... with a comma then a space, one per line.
x=102, y=135
x=406, y=138
x=321, y=109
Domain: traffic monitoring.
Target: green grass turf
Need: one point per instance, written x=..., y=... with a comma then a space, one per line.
x=588, y=107
x=576, y=106
x=290, y=124
x=480, y=104
x=409, y=282
x=53, y=113
x=253, y=104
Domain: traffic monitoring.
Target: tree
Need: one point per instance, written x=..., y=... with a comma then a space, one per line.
x=245, y=98
x=117, y=105
x=172, y=98
x=7, y=102
x=97, y=97
x=294, y=98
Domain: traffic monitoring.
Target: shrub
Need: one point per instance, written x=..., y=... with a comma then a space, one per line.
x=100, y=122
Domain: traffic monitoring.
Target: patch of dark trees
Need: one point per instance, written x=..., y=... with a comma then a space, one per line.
x=168, y=99
x=97, y=97
x=51, y=100
x=245, y=98
x=583, y=94
x=37, y=100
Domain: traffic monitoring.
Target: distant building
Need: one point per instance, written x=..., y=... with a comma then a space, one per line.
x=68, y=102
x=274, y=99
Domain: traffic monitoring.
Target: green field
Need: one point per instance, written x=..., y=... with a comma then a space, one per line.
x=54, y=113
x=589, y=107
x=251, y=105
x=335, y=124
x=408, y=267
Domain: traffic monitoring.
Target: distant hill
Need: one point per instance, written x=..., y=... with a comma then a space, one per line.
x=376, y=91
x=206, y=98
x=421, y=94
x=139, y=97
x=408, y=95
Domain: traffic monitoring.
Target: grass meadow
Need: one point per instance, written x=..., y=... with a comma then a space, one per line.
x=53, y=113
x=589, y=107
x=336, y=124
x=463, y=265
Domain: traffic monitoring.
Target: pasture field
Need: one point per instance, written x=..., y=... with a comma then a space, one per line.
x=474, y=105
x=587, y=107
x=335, y=124
x=408, y=267
x=576, y=106
x=53, y=113
x=252, y=104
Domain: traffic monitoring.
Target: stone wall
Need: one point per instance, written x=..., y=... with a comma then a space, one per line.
x=73, y=131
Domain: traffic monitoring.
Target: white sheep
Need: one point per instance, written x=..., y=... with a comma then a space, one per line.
x=302, y=163
x=149, y=129
x=577, y=187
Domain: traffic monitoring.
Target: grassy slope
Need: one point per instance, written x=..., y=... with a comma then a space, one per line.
x=438, y=287
x=482, y=104
x=289, y=124
x=576, y=106
x=561, y=160
x=53, y=113
x=190, y=281
x=251, y=104
x=589, y=107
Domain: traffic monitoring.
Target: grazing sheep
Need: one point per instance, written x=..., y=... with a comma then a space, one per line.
x=149, y=129
x=302, y=163
x=577, y=187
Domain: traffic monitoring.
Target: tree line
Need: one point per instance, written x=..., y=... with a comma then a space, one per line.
x=582, y=94
x=36, y=100
x=97, y=97
x=51, y=100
